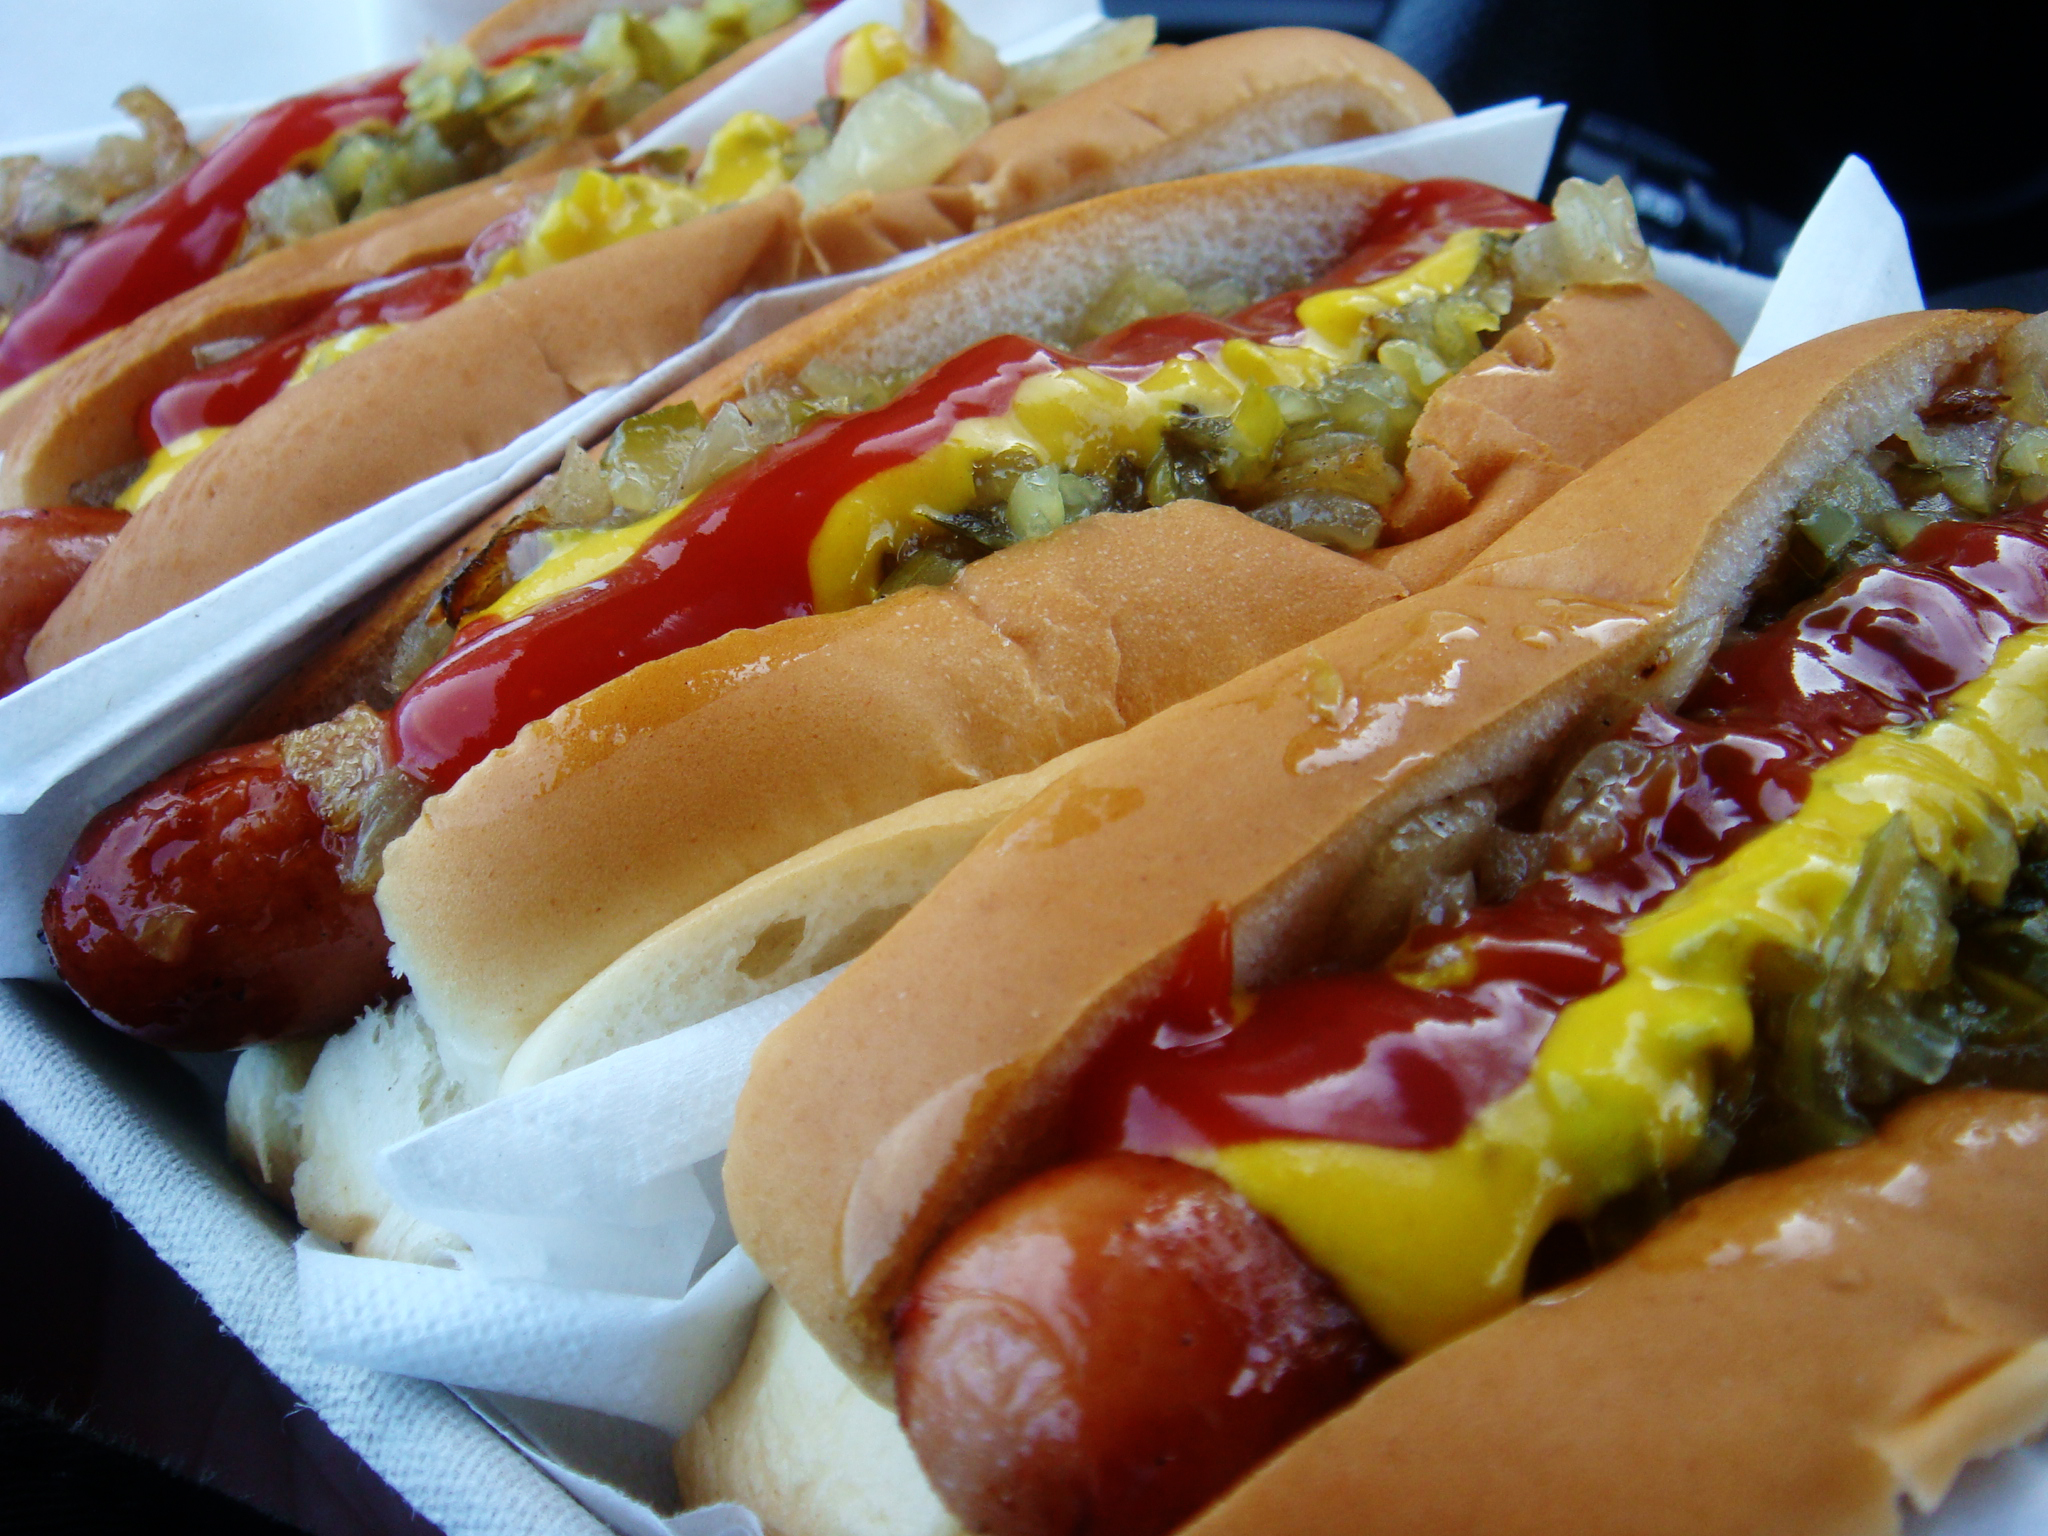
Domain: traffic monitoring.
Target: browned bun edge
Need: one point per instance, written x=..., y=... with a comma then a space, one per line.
x=430, y=396
x=1540, y=408
x=1791, y=1352
x=1229, y=101
x=1611, y=575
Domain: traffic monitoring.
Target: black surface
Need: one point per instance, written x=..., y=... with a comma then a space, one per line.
x=1762, y=97
x=117, y=1384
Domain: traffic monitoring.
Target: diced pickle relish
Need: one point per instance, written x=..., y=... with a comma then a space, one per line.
x=1007, y=441
x=1795, y=854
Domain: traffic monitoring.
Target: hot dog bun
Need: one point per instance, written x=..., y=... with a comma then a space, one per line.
x=1571, y=609
x=471, y=378
x=1793, y=1352
x=1224, y=102
x=492, y=365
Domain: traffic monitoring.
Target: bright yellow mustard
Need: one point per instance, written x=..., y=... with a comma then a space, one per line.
x=165, y=463
x=1428, y=1244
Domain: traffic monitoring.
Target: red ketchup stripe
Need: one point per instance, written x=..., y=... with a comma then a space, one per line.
x=1366, y=1058
x=740, y=558
x=187, y=232
x=230, y=392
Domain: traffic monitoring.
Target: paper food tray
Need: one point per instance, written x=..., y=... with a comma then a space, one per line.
x=138, y=1133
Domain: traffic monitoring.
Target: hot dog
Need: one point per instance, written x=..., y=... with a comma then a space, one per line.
x=140, y=223
x=811, y=727
x=1660, y=909
x=616, y=270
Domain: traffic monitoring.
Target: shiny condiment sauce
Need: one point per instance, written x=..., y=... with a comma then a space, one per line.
x=1405, y=1057
x=739, y=557
x=187, y=232
x=229, y=392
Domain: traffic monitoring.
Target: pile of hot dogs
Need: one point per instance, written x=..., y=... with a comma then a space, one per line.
x=1444, y=901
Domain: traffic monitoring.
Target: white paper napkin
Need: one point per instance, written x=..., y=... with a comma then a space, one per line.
x=601, y=1271
x=1850, y=262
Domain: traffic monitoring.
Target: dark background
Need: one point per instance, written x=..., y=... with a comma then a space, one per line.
x=124, y=1406
x=1738, y=111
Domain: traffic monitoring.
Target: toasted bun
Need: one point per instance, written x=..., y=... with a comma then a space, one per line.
x=787, y=924
x=1005, y=983
x=1790, y=1353
x=493, y=366
x=1180, y=112
x=1188, y=111
x=1579, y=377
x=526, y=878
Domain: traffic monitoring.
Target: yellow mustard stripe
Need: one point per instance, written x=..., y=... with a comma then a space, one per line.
x=1428, y=1244
x=579, y=558
x=329, y=350
x=164, y=464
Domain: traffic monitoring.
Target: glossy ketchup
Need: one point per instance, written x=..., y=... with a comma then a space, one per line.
x=230, y=392
x=187, y=232
x=1405, y=1056
x=740, y=557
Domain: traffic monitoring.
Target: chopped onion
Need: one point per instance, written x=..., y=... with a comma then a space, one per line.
x=1103, y=49
x=903, y=133
x=1594, y=239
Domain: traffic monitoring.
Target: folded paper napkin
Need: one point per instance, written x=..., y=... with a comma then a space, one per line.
x=601, y=1271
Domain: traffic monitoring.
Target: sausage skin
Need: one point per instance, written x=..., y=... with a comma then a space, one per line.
x=43, y=552
x=1110, y=1346
x=208, y=910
